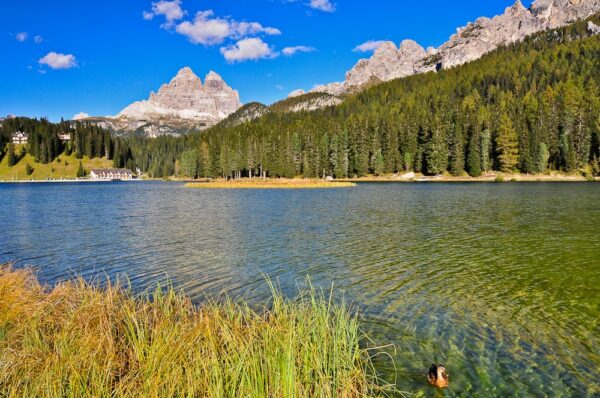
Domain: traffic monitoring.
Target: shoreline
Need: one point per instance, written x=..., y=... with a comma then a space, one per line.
x=297, y=183
x=63, y=181
x=495, y=177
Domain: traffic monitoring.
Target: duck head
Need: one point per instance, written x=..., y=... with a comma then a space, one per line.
x=438, y=376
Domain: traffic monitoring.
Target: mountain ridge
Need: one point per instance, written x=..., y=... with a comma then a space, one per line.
x=185, y=104
x=468, y=44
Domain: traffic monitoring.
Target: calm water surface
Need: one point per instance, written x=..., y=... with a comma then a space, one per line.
x=501, y=282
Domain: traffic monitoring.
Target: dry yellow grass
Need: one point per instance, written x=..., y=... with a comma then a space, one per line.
x=270, y=184
x=78, y=340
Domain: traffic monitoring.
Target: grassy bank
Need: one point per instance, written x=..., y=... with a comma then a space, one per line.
x=62, y=167
x=280, y=183
x=79, y=340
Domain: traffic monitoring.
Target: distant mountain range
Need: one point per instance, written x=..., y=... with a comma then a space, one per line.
x=185, y=104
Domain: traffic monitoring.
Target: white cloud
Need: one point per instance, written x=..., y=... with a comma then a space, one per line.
x=205, y=30
x=59, y=61
x=322, y=5
x=147, y=15
x=243, y=29
x=21, y=36
x=38, y=39
x=81, y=115
x=248, y=49
x=289, y=51
x=209, y=30
x=279, y=87
x=368, y=46
x=171, y=10
x=272, y=31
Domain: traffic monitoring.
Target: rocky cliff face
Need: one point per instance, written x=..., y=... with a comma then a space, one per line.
x=468, y=44
x=387, y=63
x=186, y=98
x=484, y=35
x=182, y=105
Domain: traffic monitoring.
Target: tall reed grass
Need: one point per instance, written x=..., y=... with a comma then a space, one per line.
x=80, y=340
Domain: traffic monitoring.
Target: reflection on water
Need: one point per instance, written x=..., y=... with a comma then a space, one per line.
x=501, y=282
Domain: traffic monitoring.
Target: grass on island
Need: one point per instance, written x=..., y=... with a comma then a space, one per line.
x=259, y=183
x=77, y=340
x=62, y=167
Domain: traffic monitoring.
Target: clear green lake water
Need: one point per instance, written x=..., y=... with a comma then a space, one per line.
x=500, y=282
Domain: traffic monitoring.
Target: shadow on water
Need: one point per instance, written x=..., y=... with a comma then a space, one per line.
x=500, y=282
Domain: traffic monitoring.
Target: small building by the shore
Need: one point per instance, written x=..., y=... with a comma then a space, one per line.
x=111, y=174
x=19, y=137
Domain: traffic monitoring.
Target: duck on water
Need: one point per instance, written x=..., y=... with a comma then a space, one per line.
x=438, y=376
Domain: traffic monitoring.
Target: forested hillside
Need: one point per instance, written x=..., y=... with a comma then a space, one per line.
x=44, y=145
x=530, y=107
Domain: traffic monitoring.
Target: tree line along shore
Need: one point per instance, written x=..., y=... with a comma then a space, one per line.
x=531, y=108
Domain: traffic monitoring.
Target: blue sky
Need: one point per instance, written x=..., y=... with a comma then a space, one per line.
x=64, y=57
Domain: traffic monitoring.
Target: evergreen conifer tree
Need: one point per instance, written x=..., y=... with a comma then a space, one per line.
x=10, y=155
x=80, y=171
x=507, y=144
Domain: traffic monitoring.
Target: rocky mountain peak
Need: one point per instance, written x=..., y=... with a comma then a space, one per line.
x=186, y=71
x=411, y=48
x=388, y=62
x=213, y=76
x=185, y=76
x=214, y=84
x=516, y=8
x=385, y=48
x=185, y=98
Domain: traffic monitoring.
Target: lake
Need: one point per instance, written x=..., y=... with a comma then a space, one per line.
x=500, y=282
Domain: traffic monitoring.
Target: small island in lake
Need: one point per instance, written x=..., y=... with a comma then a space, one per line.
x=279, y=183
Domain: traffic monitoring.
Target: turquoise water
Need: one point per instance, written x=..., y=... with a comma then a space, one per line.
x=500, y=282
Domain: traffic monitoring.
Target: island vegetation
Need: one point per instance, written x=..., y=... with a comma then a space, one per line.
x=279, y=183
x=78, y=339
